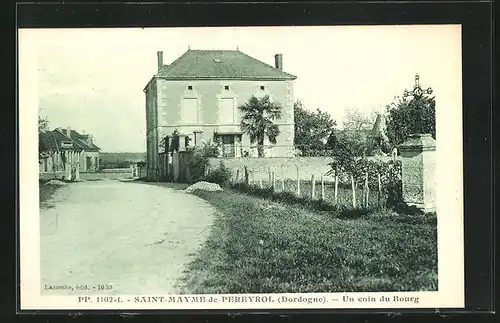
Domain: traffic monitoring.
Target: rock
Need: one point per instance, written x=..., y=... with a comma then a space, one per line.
x=204, y=186
x=56, y=182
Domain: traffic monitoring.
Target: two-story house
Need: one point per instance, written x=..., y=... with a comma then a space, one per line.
x=199, y=93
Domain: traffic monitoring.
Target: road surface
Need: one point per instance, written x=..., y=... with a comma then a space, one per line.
x=132, y=236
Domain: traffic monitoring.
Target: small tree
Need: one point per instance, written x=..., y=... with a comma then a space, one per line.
x=349, y=155
x=43, y=124
x=312, y=129
x=258, y=119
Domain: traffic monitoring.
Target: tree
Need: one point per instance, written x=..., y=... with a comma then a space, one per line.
x=405, y=117
x=349, y=155
x=44, y=144
x=43, y=124
x=312, y=128
x=258, y=119
x=356, y=120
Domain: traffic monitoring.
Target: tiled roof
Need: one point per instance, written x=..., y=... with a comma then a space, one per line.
x=81, y=141
x=52, y=140
x=220, y=64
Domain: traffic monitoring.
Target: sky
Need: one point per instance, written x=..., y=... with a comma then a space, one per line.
x=92, y=80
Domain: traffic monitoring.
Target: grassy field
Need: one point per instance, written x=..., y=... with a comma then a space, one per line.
x=260, y=246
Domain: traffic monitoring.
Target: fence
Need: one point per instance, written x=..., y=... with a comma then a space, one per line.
x=377, y=182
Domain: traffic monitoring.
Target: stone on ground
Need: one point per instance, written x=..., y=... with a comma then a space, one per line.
x=204, y=186
x=56, y=182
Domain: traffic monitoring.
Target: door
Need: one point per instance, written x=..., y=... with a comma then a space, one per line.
x=228, y=142
x=89, y=164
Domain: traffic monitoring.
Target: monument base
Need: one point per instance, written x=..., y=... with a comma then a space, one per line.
x=423, y=207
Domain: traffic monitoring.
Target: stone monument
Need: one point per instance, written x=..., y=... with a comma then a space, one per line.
x=418, y=163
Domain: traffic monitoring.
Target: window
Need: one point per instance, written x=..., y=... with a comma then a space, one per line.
x=226, y=111
x=226, y=87
x=190, y=87
x=262, y=87
x=189, y=111
x=66, y=144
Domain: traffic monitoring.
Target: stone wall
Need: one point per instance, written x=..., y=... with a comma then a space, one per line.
x=108, y=174
x=52, y=175
x=283, y=167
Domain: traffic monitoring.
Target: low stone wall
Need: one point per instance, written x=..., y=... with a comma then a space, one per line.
x=51, y=175
x=282, y=167
x=108, y=174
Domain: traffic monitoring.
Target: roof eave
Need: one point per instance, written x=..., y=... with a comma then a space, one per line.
x=147, y=85
x=179, y=78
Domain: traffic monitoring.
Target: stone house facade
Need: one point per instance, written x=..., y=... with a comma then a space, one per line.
x=199, y=93
x=64, y=153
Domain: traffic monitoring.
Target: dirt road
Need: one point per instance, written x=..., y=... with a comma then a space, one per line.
x=133, y=236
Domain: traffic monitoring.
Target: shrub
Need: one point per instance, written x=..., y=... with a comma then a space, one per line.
x=198, y=161
x=390, y=177
x=198, y=164
x=220, y=175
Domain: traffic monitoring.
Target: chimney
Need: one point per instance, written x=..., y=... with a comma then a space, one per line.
x=68, y=132
x=160, y=60
x=278, y=61
x=89, y=139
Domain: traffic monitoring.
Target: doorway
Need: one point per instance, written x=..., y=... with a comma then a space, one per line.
x=231, y=144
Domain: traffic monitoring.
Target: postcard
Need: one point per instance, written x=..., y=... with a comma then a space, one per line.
x=313, y=167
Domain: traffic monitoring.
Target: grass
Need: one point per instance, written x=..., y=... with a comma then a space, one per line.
x=344, y=194
x=46, y=193
x=262, y=246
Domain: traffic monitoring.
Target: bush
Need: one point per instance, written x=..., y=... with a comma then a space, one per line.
x=221, y=175
x=198, y=162
x=390, y=177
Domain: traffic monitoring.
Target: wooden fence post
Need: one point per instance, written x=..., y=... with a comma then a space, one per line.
x=269, y=176
x=379, y=188
x=273, y=176
x=313, y=187
x=336, y=186
x=353, y=192
x=367, y=191
x=237, y=176
x=298, y=182
x=246, y=175
x=282, y=179
x=322, y=188
x=260, y=183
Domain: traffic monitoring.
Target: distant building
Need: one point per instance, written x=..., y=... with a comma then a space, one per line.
x=198, y=95
x=66, y=153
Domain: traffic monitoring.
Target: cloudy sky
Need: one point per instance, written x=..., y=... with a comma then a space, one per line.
x=92, y=80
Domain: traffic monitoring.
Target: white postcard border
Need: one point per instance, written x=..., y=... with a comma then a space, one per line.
x=449, y=209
